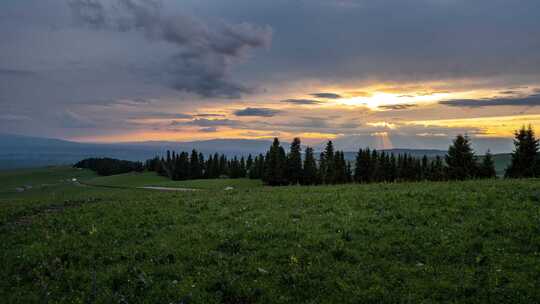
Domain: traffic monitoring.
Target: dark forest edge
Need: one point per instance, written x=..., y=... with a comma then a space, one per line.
x=279, y=168
x=110, y=166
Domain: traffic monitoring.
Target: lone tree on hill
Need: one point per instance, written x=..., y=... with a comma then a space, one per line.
x=525, y=162
x=294, y=162
x=461, y=160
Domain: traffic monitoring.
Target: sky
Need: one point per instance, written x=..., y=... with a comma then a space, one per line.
x=379, y=73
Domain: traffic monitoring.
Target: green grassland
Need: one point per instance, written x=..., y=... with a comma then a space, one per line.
x=152, y=179
x=447, y=242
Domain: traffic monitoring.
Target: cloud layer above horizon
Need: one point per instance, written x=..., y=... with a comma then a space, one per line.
x=387, y=72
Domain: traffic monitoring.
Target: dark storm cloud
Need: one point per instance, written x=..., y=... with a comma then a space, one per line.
x=397, y=107
x=326, y=95
x=205, y=53
x=302, y=101
x=531, y=100
x=396, y=40
x=261, y=112
x=122, y=49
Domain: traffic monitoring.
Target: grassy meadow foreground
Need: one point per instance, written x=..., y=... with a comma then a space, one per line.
x=102, y=240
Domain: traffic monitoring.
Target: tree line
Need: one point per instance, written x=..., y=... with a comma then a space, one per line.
x=278, y=167
x=184, y=166
x=459, y=163
x=109, y=166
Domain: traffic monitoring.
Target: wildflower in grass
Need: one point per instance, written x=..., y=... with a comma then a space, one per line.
x=93, y=230
x=293, y=260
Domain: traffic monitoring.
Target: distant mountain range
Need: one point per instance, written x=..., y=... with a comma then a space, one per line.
x=17, y=151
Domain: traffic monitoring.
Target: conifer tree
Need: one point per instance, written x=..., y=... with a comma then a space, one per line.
x=461, y=160
x=374, y=167
x=276, y=165
x=254, y=169
x=260, y=166
x=321, y=170
x=223, y=168
x=216, y=167
x=363, y=167
x=392, y=167
x=525, y=158
x=242, y=167
x=437, y=170
x=208, y=166
x=294, y=162
x=424, y=168
x=309, y=174
x=328, y=166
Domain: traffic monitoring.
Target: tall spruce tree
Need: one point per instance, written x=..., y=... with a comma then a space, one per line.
x=275, y=165
x=294, y=162
x=223, y=167
x=525, y=158
x=374, y=167
x=424, y=168
x=328, y=166
x=363, y=167
x=309, y=174
x=461, y=160
x=242, y=167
